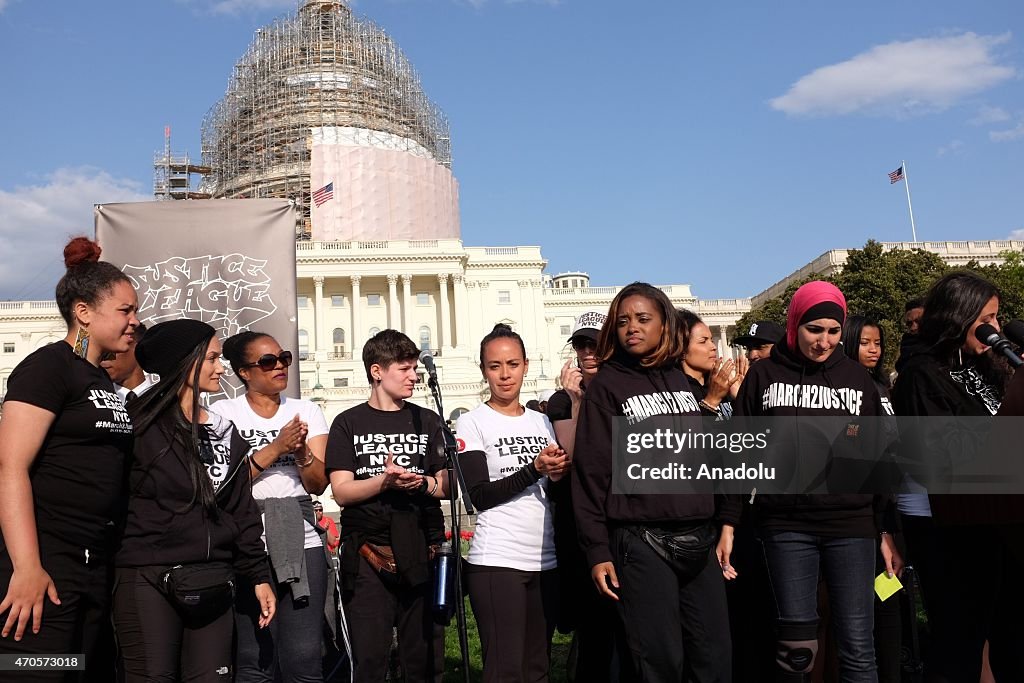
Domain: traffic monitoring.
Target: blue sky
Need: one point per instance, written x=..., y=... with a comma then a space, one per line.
x=718, y=144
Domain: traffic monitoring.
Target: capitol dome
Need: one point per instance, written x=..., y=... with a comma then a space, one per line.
x=325, y=100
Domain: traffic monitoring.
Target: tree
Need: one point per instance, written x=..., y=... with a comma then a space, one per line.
x=1009, y=278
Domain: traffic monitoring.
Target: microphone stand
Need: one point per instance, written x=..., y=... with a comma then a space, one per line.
x=455, y=482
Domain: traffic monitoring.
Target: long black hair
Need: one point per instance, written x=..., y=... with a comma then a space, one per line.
x=159, y=408
x=952, y=305
x=852, y=329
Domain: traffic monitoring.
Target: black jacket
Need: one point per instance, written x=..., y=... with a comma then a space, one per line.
x=161, y=529
x=925, y=388
x=788, y=385
x=623, y=389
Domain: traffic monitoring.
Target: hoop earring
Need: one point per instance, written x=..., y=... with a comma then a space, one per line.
x=81, y=342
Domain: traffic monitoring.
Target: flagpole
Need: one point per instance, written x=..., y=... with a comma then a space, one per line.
x=906, y=179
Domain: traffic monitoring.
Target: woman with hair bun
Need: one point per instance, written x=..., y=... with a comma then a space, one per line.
x=64, y=439
x=287, y=439
x=509, y=454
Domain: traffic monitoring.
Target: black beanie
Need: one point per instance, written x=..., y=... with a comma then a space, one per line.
x=166, y=345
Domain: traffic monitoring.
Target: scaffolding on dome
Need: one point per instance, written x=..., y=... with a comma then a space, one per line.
x=321, y=67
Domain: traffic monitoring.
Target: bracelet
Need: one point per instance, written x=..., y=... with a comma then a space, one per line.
x=432, y=488
x=308, y=461
x=707, y=406
x=252, y=461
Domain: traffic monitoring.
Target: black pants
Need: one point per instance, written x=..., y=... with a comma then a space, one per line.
x=293, y=643
x=79, y=625
x=373, y=608
x=975, y=593
x=156, y=644
x=751, y=609
x=675, y=631
x=515, y=615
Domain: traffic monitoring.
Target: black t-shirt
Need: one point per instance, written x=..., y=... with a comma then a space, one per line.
x=559, y=406
x=78, y=476
x=361, y=438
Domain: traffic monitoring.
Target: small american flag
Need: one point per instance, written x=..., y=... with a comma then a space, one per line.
x=324, y=194
x=896, y=175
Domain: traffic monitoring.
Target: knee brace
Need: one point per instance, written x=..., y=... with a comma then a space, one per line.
x=796, y=646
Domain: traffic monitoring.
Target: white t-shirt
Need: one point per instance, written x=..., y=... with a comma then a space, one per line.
x=281, y=478
x=519, y=533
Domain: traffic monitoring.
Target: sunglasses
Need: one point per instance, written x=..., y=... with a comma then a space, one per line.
x=580, y=344
x=269, y=361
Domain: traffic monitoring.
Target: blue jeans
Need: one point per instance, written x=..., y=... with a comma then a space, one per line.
x=291, y=649
x=795, y=561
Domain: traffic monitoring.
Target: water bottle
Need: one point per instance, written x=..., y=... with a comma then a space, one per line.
x=442, y=593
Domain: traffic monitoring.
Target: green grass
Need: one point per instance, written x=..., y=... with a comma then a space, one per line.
x=453, y=656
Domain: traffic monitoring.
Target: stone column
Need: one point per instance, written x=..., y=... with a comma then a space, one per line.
x=393, y=316
x=407, y=307
x=357, y=326
x=462, y=336
x=319, y=324
x=445, y=338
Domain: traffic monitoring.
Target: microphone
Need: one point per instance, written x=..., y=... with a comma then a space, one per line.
x=428, y=365
x=989, y=336
x=1014, y=331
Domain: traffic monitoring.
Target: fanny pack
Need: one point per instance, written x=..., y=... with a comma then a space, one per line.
x=685, y=550
x=199, y=591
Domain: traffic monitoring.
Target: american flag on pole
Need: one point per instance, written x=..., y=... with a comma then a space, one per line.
x=896, y=175
x=324, y=194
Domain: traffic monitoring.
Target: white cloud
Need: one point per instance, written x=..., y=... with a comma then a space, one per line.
x=37, y=220
x=987, y=114
x=951, y=148
x=236, y=6
x=1016, y=235
x=900, y=78
x=1008, y=135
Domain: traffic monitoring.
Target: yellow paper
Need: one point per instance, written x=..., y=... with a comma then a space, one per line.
x=886, y=587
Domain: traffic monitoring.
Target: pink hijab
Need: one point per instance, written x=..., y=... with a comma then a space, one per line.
x=808, y=297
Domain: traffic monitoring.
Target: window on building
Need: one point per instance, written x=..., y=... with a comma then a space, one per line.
x=304, y=383
x=303, y=302
x=374, y=331
x=8, y=347
x=424, y=338
x=337, y=300
x=339, y=340
x=422, y=299
x=303, y=345
x=565, y=330
x=504, y=296
x=341, y=381
x=373, y=299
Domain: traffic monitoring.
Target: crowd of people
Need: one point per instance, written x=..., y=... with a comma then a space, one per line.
x=165, y=539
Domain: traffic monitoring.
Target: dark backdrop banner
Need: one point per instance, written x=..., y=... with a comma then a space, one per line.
x=227, y=262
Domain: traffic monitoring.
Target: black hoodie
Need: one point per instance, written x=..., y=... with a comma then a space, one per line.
x=163, y=529
x=625, y=389
x=789, y=385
